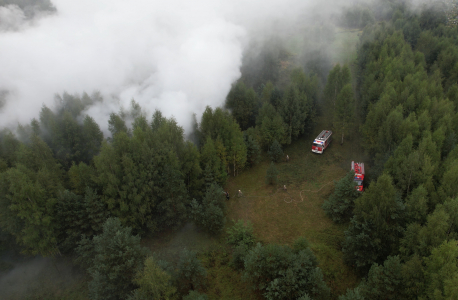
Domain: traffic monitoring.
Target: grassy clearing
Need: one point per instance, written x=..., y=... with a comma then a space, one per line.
x=310, y=180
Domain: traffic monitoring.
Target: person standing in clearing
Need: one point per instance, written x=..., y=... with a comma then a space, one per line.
x=287, y=158
x=240, y=194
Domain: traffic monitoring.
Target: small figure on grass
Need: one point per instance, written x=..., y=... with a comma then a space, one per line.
x=284, y=188
x=240, y=194
x=287, y=158
x=227, y=195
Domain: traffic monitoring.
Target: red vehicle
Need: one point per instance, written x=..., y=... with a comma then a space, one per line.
x=322, y=141
x=359, y=175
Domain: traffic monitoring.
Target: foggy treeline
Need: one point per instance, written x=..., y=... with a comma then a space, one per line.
x=73, y=185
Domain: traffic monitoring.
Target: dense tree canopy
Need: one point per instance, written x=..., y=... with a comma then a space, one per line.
x=28, y=195
x=280, y=272
x=406, y=85
x=63, y=183
x=377, y=225
x=339, y=206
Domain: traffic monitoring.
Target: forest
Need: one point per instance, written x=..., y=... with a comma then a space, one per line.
x=69, y=191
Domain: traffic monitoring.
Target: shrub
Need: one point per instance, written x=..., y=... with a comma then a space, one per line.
x=271, y=175
x=241, y=234
x=301, y=244
x=275, y=151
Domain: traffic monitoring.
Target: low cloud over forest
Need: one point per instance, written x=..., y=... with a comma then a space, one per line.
x=177, y=56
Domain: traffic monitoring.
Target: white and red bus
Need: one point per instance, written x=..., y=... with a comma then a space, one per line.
x=359, y=175
x=322, y=141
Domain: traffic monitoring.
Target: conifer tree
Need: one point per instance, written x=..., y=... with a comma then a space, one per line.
x=112, y=258
x=253, y=150
x=450, y=180
x=271, y=175
x=68, y=210
x=338, y=77
x=227, y=138
x=242, y=103
x=92, y=138
x=441, y=271
x=376, y=227
x=9, y=144
x=190, y=273
x=344, y=110
x=339, y=206
x=208, y=176
x=275, y=151
x=281, y=273
x=81, y=176
x=236, y=149
x=241, y=233
x=28, y=195
x=117, y=124
x=384, y=281
x=266, y=92
x=209, y=157
x=271, y=126
x=241, y=238
x=191, y=169
x=413, y=277
x=440, y=226
x=153, y=283
x=294, y=111
x=210, y=212
x=27, y=210
x=124, y=170
x=172, y=199
x=275, y=100
x=417, y=205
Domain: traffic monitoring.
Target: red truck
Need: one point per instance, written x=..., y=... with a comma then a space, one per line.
x=359, y=175
x=322, y=141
